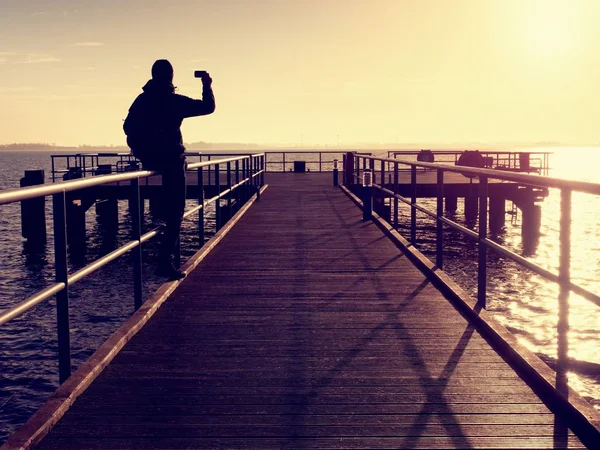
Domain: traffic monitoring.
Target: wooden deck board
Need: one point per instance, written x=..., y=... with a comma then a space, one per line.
x=306, y=328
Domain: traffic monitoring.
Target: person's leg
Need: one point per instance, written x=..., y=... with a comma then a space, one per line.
x=173, y=196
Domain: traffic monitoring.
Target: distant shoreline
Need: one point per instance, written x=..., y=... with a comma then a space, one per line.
x=206, y=147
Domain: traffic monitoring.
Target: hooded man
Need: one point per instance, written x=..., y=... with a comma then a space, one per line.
x=153, y=129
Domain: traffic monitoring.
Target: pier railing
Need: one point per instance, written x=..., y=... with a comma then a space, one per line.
x=243, y=174
x=525, y=162
x=80, y=165
x=376, y=169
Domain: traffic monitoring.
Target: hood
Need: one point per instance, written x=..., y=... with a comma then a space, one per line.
x=158, y=87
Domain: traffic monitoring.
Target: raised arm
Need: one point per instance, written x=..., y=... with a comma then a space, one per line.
x=192, y=108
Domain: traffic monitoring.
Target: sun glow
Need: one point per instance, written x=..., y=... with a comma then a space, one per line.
x=550, y=28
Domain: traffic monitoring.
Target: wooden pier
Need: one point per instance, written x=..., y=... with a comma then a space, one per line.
x=304, y=327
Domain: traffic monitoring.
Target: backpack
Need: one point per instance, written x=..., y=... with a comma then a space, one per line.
x=146, y=134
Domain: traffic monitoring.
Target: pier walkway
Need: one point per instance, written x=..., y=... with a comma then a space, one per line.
x=306, y=327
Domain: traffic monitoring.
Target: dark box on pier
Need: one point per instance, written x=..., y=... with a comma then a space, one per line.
x=299, y=166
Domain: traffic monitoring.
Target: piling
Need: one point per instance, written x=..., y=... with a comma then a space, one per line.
x=497, y=213
x=107, y=209
x=530, y=229
x=451, y=204
x=33, y=213
x=471, y=207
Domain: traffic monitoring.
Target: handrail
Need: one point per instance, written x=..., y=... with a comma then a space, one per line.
x=452, y=152
x=480, y=178
x=26, y=193
x=537, y=180
x=535, y=161
x=87, y=163
x=249, y=171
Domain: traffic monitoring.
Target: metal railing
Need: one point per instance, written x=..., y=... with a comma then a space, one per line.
x=243, y=174
x=527, y=162
x=81, y=165
x=353, y=170
x=315, y=160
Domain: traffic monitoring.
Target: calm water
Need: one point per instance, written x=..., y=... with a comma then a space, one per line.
x=525, y=303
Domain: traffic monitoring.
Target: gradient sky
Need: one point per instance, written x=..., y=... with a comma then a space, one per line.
x=285, y=71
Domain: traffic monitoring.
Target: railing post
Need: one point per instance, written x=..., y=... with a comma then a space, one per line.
x=263, y=168
x=482, y=248
x=59, y=206
x=336, y=179
x=243, y=177
x=439, y=254
x=564, y=277
x=229, y=189
x=396, y=192
x=367, y=194
x=413, y=202
x=136, y=224
x=201, y=202
x=237, y=181
x=349, y=169
x=248, y=177
x=381, y=196
x=320, y=162
x=257, y=179
x=218, y=201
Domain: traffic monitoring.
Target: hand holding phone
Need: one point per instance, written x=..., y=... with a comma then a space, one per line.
x=204, y=76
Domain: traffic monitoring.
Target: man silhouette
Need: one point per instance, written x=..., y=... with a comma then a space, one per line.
x=153, y=129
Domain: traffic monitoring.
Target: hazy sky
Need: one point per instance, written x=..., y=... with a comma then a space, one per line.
x=427, y=71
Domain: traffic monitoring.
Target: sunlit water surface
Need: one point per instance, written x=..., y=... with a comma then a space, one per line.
x=524, y=302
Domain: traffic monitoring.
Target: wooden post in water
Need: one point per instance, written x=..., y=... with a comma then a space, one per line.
x=530, y=228
x=497, y=213
x=451, y=204
x=471, y=207
x=107, y=209
x=33, y=213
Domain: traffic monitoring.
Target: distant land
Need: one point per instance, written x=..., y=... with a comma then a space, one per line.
x=37, y=146
x=212, y=146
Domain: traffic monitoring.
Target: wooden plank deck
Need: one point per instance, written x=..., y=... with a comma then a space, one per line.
x=307, y=328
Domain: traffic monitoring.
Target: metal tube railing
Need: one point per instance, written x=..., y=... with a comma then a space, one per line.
x=484, y=242
x=566, y=187
x=254, y=164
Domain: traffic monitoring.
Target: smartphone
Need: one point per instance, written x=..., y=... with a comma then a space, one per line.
x=200, y=73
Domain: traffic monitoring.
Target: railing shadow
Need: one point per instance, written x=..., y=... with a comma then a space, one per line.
x=433, y=386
